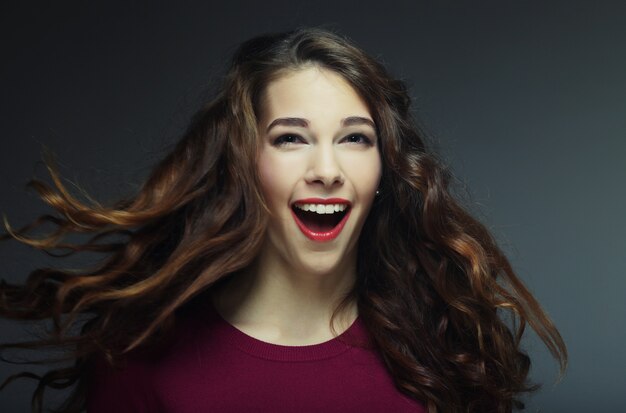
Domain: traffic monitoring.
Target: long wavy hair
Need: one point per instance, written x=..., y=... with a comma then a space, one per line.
x=443, y=306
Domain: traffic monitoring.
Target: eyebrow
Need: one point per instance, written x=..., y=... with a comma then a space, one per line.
x=358, y=120
x=304, y=123
x=289, y=122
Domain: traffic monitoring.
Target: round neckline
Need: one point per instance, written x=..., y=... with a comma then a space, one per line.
x=354, y=336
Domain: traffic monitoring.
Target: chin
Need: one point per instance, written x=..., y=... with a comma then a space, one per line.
x=322, y=263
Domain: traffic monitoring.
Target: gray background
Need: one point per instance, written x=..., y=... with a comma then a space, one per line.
x=526, y=100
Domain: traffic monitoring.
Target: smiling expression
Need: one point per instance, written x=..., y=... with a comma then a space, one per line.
x=319, y=167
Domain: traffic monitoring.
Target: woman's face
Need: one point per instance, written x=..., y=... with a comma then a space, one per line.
x=319, y=167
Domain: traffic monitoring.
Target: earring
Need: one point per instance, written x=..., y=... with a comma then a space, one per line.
x=377, y=192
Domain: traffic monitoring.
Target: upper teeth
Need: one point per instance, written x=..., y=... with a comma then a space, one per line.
x=322, y=208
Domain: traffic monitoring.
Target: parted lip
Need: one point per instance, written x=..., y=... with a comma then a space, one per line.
x=322, y=201
x=327, y=235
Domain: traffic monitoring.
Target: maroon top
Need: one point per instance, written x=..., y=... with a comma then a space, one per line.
x=212, y=366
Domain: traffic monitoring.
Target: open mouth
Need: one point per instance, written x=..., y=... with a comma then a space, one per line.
x=321, y=222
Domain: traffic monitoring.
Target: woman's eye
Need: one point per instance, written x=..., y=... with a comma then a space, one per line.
x=287, y=140
x=358, y=138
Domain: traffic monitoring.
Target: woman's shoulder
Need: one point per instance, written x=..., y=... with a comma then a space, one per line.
x=121, y=387
x=127, y=385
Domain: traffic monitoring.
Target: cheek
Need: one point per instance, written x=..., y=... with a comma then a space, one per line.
x=375, y=173
x=365, y=173
x=273, y=179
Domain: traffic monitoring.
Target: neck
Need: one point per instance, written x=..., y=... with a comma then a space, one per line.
x=280, y=303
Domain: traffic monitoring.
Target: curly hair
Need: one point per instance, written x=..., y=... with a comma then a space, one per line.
x=433, y=288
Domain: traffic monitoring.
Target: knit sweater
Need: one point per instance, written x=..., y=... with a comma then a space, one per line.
x=211, y=366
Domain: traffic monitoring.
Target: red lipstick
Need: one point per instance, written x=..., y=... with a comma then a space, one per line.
x=326, y=235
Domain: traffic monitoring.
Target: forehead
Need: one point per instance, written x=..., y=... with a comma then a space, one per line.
x=312, y=92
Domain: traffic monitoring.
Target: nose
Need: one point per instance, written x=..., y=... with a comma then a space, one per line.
x=323, y=167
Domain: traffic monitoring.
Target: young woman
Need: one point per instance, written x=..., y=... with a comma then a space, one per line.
x=297, y=251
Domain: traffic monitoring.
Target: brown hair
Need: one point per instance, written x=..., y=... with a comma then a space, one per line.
x=433, y=288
